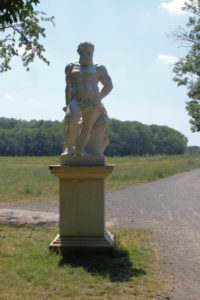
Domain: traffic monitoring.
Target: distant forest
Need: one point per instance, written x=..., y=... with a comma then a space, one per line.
x=45, y=138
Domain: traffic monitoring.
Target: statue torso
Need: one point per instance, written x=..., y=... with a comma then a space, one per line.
x=84, y=82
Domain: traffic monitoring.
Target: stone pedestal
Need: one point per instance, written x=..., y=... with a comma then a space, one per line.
x=82, y=213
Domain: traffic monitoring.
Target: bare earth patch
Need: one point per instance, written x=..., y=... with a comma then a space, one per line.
x=22, y=217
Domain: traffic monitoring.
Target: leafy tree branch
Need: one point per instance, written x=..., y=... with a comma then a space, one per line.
x=187, y=69
x=20, y=32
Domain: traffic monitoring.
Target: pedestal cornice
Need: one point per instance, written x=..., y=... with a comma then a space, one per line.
x=81, y=172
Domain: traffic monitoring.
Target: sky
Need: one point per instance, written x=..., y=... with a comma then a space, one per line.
x=131, y=39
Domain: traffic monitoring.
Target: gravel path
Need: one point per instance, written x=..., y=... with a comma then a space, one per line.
x=170, y=207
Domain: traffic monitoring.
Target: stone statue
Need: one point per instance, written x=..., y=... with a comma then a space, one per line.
x=86, y=118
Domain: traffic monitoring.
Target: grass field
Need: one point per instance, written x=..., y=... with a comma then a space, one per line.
x=30, y=271
x=28, y=178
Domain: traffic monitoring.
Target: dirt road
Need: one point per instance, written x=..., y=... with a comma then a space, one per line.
x=169, y=207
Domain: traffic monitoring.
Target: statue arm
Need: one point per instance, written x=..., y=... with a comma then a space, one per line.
x=106, y=81
x=67, y=91
x=68, y=83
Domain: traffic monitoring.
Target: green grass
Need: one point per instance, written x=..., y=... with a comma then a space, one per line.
x=25, y=179
x=30, y=271
x=141, y=169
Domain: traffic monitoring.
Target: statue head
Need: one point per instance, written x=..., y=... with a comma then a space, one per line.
x=85, y=50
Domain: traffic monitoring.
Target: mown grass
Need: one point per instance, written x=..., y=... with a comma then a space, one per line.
x=141, y=169
x=25, y=179
x=30, y=271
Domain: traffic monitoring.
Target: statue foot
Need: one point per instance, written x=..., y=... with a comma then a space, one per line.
x=69, y=151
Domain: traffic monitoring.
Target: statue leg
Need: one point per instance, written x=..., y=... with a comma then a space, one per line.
x=72, y=118
x=90, y=116
x=98, y=139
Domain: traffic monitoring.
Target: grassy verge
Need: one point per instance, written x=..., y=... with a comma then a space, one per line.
x=30, y=271
x=28, y=178
x=141, y=169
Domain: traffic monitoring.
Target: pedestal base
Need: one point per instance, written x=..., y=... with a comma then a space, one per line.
x=67, y=244
x=72, y=160
x=82, y=211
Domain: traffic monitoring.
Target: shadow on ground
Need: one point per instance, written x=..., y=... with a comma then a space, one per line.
x=116, y=266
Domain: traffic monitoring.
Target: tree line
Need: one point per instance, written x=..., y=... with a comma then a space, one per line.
x=193, y=150
x=45, y=138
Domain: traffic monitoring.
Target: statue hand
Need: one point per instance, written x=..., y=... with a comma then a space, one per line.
x=65, y=108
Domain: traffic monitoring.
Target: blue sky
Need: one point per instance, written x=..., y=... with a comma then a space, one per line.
x=130, y=39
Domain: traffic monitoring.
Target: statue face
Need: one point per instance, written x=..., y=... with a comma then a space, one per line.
x=86, y=56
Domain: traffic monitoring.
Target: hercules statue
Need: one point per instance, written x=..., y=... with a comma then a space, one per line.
x=86, y=118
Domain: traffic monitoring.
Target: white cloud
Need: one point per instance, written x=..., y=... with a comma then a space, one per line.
x=167, y=59
x=174, y=6
x=8, y=96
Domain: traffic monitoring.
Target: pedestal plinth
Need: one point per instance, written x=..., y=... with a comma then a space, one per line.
x=82, y=213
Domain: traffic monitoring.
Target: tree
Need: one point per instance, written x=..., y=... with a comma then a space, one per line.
x=167, y=140
x=187, y=69
x=19, y=137
x=193, y=150
x=20, y=32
